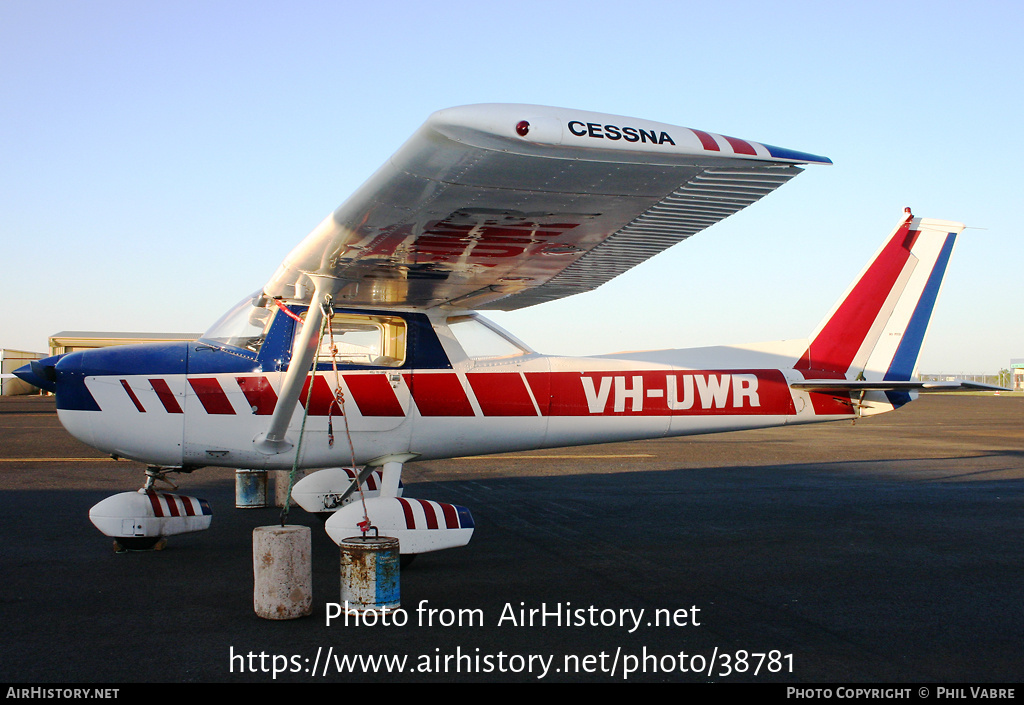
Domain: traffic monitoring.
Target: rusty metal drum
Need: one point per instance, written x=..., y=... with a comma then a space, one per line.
x=370, y=573
x=250, y=489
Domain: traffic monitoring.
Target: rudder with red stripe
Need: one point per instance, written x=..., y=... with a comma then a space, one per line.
x=876, y=330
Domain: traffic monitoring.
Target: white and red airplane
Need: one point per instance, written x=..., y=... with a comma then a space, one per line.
x=368, y=330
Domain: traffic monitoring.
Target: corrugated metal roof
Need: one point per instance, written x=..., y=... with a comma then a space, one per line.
x=126, y=336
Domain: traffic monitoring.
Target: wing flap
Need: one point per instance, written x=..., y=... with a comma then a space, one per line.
x=667, y=223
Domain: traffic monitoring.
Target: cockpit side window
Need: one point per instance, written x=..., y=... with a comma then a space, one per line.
x=362, y=339
x=483, y=342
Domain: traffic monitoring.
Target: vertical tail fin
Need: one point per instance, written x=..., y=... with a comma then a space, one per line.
x=876, y=330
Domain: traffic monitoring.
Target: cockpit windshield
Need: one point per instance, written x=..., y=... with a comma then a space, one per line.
x=244, y=326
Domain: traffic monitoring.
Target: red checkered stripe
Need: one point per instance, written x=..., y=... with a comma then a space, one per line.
x=427, y=514
x=711, y=144
x=510, y=394
x=176, y=505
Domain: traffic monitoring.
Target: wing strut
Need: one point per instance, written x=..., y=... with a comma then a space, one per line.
x=275, y=439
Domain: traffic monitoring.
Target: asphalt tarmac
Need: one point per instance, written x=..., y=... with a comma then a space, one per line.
x=886, y=551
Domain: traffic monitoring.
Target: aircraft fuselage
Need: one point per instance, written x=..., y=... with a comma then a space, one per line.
x=206, y=403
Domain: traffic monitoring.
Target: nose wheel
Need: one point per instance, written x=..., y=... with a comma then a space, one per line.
x=141, y=520
x=123, y=544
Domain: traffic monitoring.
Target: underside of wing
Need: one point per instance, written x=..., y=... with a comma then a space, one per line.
x=506, y=206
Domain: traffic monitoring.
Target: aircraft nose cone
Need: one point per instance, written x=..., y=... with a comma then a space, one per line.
x=40, y=373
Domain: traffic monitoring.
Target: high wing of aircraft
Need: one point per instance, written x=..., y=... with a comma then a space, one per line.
x=501, y=207
x=364, y=351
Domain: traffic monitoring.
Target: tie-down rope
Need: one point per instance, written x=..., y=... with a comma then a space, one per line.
x=339, y=399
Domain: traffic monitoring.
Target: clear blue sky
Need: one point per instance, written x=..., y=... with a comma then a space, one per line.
x=158, y=160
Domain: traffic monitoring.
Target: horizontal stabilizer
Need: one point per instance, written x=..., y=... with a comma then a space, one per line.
x=844, y=385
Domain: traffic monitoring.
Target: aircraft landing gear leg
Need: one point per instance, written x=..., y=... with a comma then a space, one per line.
x=391, y=477
x=391, y=471
x=155, y=474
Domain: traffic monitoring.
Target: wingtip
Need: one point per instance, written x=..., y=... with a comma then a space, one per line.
x=796, y=156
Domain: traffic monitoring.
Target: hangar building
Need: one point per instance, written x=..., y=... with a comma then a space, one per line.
x=72, y=340
x=10, y=360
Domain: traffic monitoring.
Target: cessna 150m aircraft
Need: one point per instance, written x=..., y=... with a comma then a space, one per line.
x=368, y=329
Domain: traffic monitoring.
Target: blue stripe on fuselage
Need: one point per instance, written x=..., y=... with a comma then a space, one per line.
x=423, y=351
